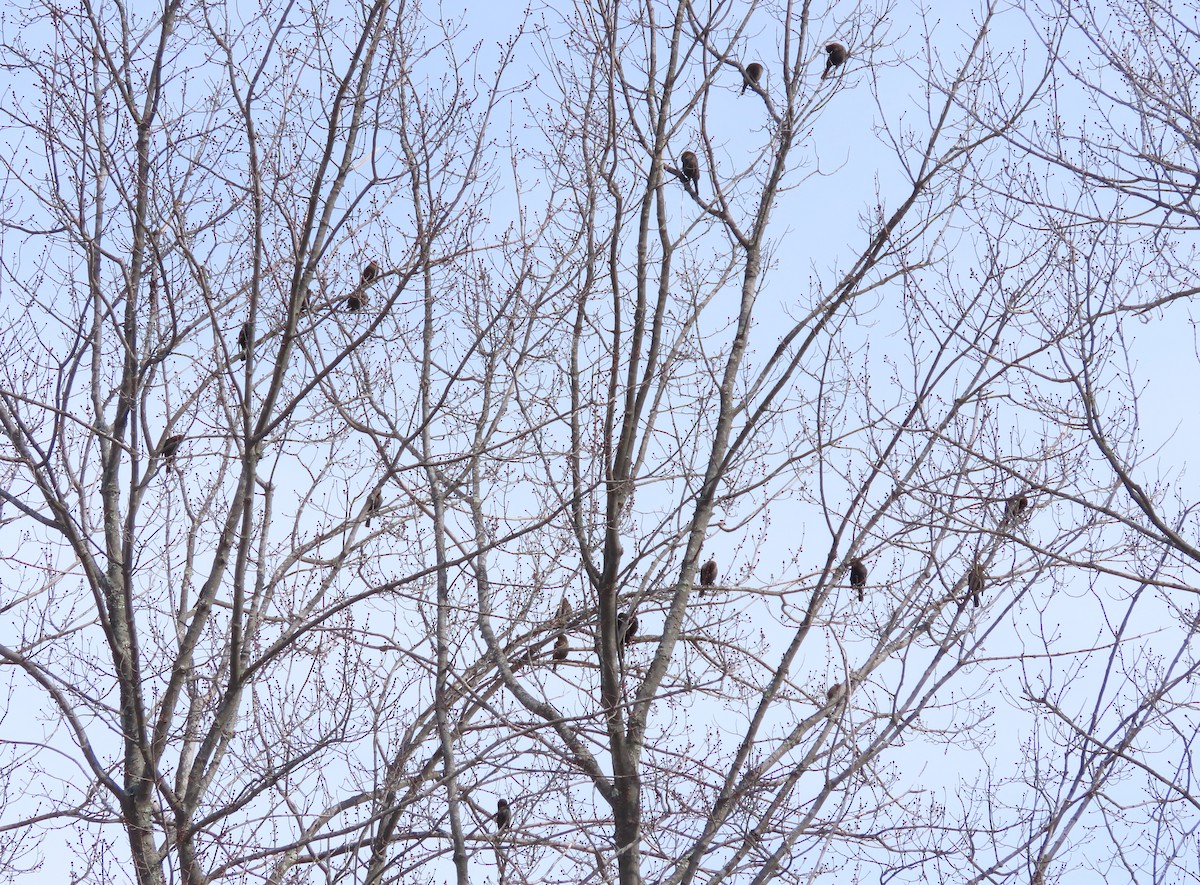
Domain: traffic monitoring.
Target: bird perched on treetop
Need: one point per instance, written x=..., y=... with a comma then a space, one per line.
x=373, y=504
x=1015, y=507
x=858, y=576
x=560, y=650
x=503, y=815
x=169, y=448
x=975, y=581
x=370, y=273
x=708, y=574
x=752, y=75
x=691, y=169
x=837, y=55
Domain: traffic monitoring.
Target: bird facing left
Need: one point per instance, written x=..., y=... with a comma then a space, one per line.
x=837, y=56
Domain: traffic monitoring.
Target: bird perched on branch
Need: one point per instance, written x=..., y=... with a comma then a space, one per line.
x=834, y=692
x=1015, y=507
x=975, y=581
x=858, y=576
x=560, y=650
x=708, y=575
x=169, y=448
x=356, y=299
x=627, y=624
x=304, y=302
x=503, y=816
x=373, y=504
x=751, y=76
x=691, y=170
x=837, y=56
x=564, y=613
x=243, y=340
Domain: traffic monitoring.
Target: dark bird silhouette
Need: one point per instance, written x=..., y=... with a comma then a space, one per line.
x=837, y=56
x=751, y=76
x=975, y=581
x=691, y=169
x=560, y=649
x=356, y=299
x=1015, y=507
x=169, y=448
x=858, y=576
x=243, y=340
x=564, y=613
x=834, y=692
x=373, y=504
x=708, y=575
x=503, y=816
x=627, y=624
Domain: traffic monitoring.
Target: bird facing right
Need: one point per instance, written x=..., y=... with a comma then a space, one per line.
x=169, y=448
x=1015, y=507
x=691, y=169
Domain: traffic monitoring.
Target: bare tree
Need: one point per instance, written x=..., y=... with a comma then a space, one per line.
x=679, y=427
x=1104, y=200
x=360, y=454
x=219, y=637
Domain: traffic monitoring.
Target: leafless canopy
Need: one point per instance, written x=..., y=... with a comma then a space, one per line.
x=361, y=370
